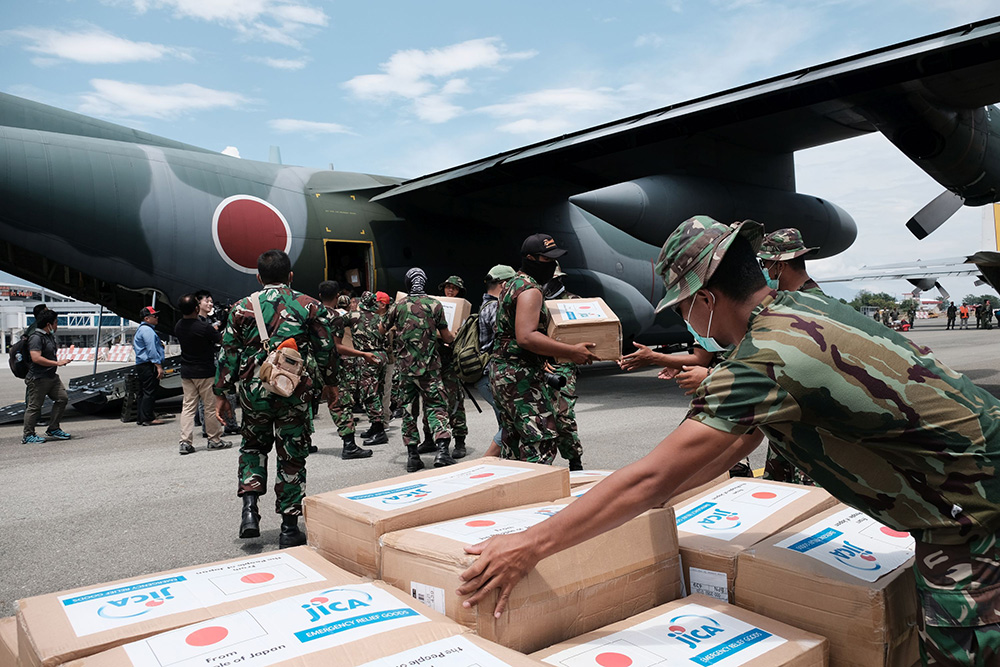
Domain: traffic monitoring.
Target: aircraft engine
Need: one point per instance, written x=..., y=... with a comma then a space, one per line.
x=650, y=208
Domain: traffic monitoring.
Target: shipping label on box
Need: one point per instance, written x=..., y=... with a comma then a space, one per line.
x=581, y=309
x=691, y=634
x=279, y=631
x=107, y=608
x=475, y=529
x=735, y=508
x=396, y=496
x=451, y=652
x=854, y=543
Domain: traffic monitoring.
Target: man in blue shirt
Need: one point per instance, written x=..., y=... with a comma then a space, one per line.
x=148, y=364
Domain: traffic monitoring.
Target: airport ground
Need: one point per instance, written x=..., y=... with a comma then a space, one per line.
x=118, y=500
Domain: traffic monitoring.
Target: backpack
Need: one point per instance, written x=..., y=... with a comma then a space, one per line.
x=20, y=358
x=469, y=359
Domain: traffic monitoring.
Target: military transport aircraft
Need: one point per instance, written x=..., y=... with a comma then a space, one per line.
x=121, y=218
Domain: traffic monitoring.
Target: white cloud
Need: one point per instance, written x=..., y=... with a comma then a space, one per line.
x=121, y=99
x=554, y=111
x=413, y=75
x=290, y=64
x=91, y=45
x=279, y=21
x=649, y=39
x=231, y=151
x=292, y=125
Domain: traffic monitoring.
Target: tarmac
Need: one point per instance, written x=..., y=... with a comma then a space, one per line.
x=118, y=500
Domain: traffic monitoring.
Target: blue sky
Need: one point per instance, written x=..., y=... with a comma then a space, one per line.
x=406, y=88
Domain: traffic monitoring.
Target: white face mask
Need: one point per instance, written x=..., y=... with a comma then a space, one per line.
x=707, y=343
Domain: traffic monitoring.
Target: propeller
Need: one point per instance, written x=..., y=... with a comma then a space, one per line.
x=934, y=214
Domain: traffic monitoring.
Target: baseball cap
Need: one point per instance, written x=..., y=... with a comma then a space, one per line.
x=148, y=311
x=783, y=245
x=501, y=272
x=541, y=244
x=693, y=252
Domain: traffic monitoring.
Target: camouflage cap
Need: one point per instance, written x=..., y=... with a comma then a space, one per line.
x=783, y=245
x=454, y=281
x=692, y=253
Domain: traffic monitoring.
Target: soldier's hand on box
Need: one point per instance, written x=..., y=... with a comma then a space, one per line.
x=503, y=561
x=583, y=354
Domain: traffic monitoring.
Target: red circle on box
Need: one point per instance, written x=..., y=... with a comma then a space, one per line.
x=207, y=636
x=244, y=227
x=765, y=495
x=481, y=475
x=480, y=523
x=613, y=660
x=733, y=518
x=154, y=603
x=886, y=530
x=676, y=628
x=257, y=578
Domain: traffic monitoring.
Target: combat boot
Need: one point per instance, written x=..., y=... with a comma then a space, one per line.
x=290, y=535
x=413, y=462
x=459, y=451
x=250, y=524
x=352, y=451
x=575, y=463
x=376, y=435
x=427, y=446
x=443, y=458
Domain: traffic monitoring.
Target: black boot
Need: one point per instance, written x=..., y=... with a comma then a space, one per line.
x=459, y=451
x=377, y=435
x=413, y=462
x=370, y=432
x=575, y=463
x=250, y=524
x=427, y=446
x=352, y=451
x=443, y=458
x=290, y=535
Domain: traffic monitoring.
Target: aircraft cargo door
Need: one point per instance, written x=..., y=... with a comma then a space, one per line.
x=350, y=263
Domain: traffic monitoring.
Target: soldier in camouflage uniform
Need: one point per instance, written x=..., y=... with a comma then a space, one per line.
x=419, y=320
x=367, y=337
x=568, y=442
x=342, y=407
x=270, y=420
x=879, y=422
x=521, y=348
x=782, y=258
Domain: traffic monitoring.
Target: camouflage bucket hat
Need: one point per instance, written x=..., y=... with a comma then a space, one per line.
x=783, y=245
x=454, y=281
x=692, y=253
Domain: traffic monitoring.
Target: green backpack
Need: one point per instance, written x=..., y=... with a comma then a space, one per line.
x=470, y=361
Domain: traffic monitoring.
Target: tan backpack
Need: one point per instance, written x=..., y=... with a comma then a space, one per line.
x=282, y=369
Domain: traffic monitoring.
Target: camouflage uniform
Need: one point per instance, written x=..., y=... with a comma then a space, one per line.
x=417, y=319
x=366, y=337
x=342, y=409
x=568, y=444
x=453, y=388
x=781, y=246
x=526, y=402
x=271, y=420
x=881, y=424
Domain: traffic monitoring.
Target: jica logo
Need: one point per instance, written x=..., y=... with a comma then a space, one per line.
x=407, y=497
x=856, y=557
x=692, y=630
x=335, y=602
x=135, y=605
x=720, y=520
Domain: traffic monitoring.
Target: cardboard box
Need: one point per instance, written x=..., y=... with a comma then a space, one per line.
x=353, y=277
x=581, y=477
x=59, y=627
x=8, y=642
x=698, y=490
x=715, y=526
x=617, y=574
x=588, y=320
x=456, y=311
x=826, y=586
x=343, y=625
x=697, y=630
x=345, y=525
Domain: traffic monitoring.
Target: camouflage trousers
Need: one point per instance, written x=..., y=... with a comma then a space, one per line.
x=568, y=442
x=371, y=384
x=284, y=425
x=779, y=469
x=455, y=397
x=430, y=391
x=527, y=412
x=958, y=588
x=342, y=410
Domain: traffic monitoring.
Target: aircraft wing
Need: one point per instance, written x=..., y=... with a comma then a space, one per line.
x=925, y=274
x=810, y=107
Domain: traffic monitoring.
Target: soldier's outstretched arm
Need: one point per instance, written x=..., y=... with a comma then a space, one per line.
x=649, y=482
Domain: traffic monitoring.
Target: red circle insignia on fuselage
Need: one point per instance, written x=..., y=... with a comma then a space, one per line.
x=243, y=227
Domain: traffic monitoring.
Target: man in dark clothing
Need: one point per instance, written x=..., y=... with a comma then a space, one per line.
x=198, y=339
x=952, y=312
x=43, y=381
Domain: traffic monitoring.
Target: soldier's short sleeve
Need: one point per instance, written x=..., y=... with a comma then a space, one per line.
x=437, y=313
x=736, y=398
